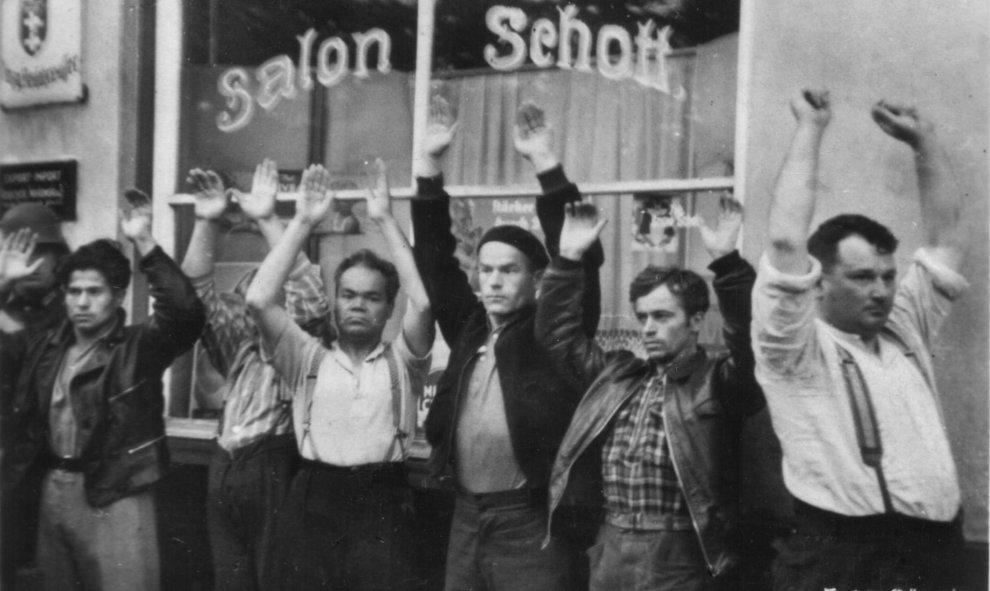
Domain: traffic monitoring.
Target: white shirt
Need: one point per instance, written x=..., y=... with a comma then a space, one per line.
x=797, y=364
x=351, y=414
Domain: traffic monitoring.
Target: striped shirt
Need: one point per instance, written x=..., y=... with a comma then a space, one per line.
x=636, y=463
x=256, y=401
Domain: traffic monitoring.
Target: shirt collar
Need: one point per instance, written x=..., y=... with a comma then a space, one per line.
x=855, y=341
x=375, y=353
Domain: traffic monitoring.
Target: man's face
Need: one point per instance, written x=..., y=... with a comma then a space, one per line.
x=507, y=283
x=90, y=302
x=42, y=280
x=362, y=307
x=666, y=329
x=858, y=292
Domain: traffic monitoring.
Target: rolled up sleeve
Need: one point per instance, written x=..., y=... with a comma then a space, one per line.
x=784, y=338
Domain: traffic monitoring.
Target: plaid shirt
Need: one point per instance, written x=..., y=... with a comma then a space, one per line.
x=256, y=401
x=636, y=463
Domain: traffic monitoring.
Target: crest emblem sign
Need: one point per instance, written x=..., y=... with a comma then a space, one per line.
x=33, y=25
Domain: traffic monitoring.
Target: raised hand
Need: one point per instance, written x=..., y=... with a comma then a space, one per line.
x=440, y=129
x=315, y=198
x=211, y=199
x=135, y=220
x=379, y=198
x=533, y=137
x=812, y=107
x=902, y=122
x=16, y=251
x=582, y=227
x=259, y=204
x=721, y=240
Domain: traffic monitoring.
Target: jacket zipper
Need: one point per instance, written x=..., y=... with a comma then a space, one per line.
x=595, y=435
x=148, y=443
x=680, y=481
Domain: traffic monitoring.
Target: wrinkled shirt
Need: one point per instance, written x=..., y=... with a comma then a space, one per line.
x=256, y=402
x=350, y=411
x=797, y=363
x=484, y=458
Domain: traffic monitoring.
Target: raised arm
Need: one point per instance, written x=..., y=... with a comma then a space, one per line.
x=946, y=232
x=560, y=309
x=259, y=204
x=417, y=323
x=534, y=140
x=733, y=285
x=209, y=205
x=312, y=205
x=178, y=316
x=452, y=300
x=794, y=197
x=305, y=296
x=16, y=250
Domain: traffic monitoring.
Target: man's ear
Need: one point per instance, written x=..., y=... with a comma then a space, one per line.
x=696, y=321
x=538, y=281
x=118, y=297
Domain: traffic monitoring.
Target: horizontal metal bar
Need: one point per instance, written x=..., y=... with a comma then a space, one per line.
x=670, y=186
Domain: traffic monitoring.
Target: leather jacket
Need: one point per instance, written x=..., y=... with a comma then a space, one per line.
x=706, y=395
x=538, y=400
x=116, y=396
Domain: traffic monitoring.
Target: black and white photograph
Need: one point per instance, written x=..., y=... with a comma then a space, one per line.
x=494, y=295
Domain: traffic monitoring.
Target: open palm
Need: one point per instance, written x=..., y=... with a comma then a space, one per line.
x=259, y=204
x=16, y=251
x=722, y=239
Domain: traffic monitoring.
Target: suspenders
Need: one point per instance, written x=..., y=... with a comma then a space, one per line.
x=395, y=384
x=865, y=418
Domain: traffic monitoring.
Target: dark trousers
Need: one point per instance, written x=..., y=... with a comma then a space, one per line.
x=631, y=560
x=247, y=489
x=347, y=528
x=496, y=545
x=873, y=553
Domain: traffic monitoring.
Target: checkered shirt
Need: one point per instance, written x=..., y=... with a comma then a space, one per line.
x=637, y=466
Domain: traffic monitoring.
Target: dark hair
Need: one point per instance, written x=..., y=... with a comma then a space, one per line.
x=368, y=259
x=102, y=255
x=824, y=243
x=688, y=286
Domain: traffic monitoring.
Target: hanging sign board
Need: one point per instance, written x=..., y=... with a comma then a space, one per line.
x=40, y=52
x=49, y=183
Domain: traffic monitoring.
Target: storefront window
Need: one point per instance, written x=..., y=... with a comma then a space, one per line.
x=641, y=98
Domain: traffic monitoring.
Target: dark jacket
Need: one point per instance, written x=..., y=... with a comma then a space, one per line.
x=538, y=400
x=706, y=394
x=116, y=397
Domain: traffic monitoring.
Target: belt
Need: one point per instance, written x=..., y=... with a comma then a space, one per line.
x=262, y=445
x=536, y=497
x=647, y=522
x=53, y=462
x=845, y=527
x=359, y=470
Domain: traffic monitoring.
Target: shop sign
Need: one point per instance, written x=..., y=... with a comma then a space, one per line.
x=51, y=183
x=40, y=52
x=278, y=77
x=618, y=57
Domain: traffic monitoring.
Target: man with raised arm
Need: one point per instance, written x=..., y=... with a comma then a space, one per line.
x=345, y=524
x=665, y=428
x=255, y=456
x=33, y=302
x=88, y=413
x=843, y=353
x=500, y=408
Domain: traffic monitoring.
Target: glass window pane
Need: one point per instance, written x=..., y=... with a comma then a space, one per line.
x=633, y=91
